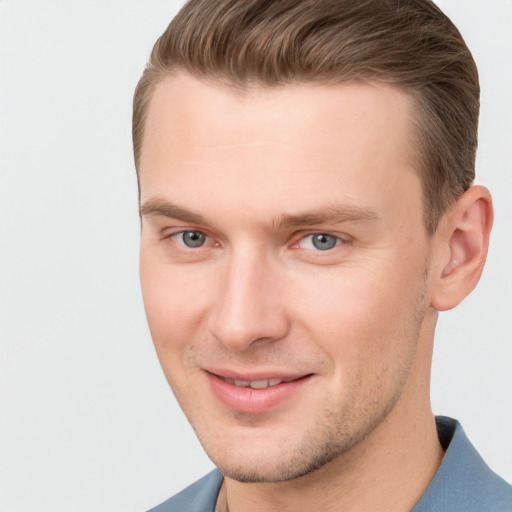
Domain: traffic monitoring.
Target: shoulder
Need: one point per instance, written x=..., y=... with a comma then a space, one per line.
x=201, y=496
x=463, y=482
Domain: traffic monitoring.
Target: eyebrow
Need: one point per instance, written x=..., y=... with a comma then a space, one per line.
x=328, y=215
x=161, y=207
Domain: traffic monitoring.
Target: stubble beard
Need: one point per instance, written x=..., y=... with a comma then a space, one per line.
x=320, y=446
x=335, y=433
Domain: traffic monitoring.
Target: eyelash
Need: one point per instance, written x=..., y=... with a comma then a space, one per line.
x=296, y=245
x=336, y=239
x=174, y=236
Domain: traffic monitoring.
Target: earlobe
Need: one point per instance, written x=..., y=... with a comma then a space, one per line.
x=462, y=244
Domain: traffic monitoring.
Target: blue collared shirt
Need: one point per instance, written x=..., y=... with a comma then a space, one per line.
x=463, y=482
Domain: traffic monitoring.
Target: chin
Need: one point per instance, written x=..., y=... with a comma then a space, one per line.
x=268, y=465
x=274, y=473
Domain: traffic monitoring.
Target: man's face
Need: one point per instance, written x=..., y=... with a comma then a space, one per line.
x=284, y=267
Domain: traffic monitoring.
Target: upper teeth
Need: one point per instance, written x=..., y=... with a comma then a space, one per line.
x=255, y=384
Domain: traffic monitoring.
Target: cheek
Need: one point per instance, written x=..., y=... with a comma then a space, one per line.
x=369, y=332
x=174, y=300
x=174, y=304
x=364, y=315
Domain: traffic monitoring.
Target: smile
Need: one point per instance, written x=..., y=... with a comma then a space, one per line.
x=255, y=395
x=256, y=384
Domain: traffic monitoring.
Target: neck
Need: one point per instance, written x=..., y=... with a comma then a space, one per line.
x=388, y=471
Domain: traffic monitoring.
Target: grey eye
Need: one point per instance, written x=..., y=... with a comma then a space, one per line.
x=193, y=238
x=323, y=242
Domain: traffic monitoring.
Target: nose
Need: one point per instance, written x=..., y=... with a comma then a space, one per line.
x=250, y=308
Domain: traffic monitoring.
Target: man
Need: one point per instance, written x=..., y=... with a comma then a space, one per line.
x=307, y=203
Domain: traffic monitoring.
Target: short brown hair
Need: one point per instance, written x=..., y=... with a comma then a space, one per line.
x=408, y=43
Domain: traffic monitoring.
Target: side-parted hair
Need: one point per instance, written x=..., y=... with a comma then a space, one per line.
x=410, y=44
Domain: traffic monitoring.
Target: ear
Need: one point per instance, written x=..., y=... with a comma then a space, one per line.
x=461, y=244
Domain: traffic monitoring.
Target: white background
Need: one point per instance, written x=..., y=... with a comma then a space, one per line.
x=87, y=422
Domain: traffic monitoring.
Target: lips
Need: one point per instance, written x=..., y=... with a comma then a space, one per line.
x=258, y=384
x=254, y=394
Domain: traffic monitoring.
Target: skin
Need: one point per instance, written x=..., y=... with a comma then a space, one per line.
x=258, y=173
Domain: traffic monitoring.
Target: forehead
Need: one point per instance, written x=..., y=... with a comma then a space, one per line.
x=282, y=141
x=215, y=113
